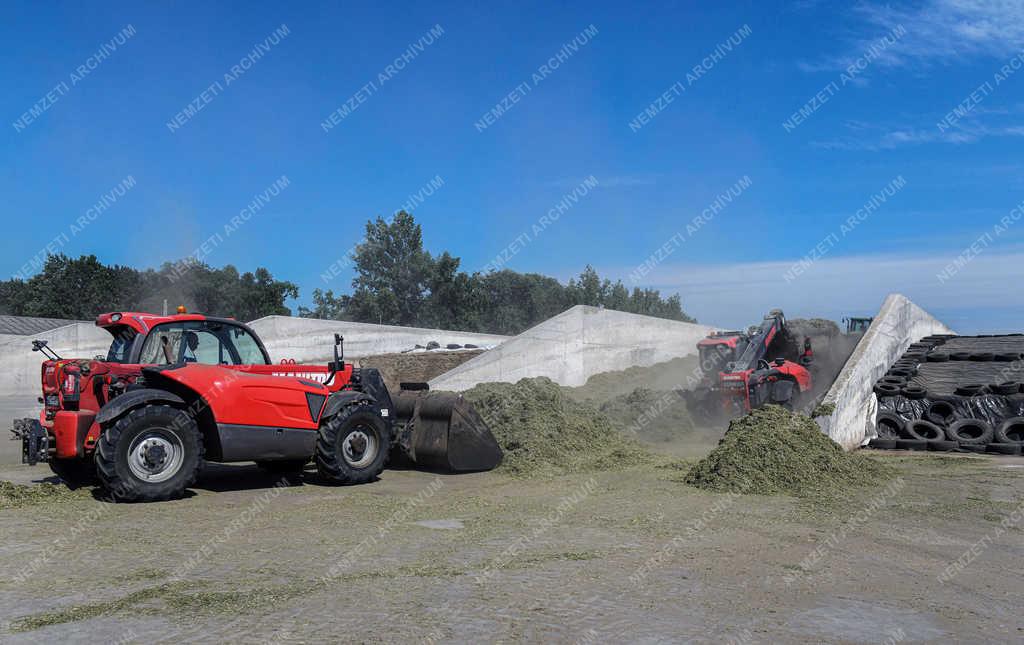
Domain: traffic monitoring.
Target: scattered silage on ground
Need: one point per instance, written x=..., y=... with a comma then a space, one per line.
x=20, y=495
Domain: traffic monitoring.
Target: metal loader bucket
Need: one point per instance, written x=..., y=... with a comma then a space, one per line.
x=443, y=431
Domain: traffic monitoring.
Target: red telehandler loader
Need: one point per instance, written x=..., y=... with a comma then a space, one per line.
x=742, y=371
x=175, y=391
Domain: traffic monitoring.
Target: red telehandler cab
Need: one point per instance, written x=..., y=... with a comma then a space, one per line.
x=175, y=391
x=742, y=371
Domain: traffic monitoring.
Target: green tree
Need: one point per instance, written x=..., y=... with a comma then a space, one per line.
x=453, y=299
x=76, y=288
x=393, y=272
x=327, y=306
x=83, y=287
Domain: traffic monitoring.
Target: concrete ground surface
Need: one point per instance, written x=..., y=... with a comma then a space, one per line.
x=616, y=556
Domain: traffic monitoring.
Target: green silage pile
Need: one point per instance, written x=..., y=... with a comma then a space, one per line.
x=774, y=451
x=543, y=431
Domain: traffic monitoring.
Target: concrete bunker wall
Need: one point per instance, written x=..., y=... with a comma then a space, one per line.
x=851, y=398
x=575, y=345
x=309, y=340
x=20, y=373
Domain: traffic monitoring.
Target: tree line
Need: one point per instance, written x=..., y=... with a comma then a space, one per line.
x=80, y=288
x=397, y=282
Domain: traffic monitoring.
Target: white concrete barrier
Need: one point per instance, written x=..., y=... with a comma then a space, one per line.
x=19, y=365
x=575, y=345
x=310, y=340
x=851, y=398
x=306, y=340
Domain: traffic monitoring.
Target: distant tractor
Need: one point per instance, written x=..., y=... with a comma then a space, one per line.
x=176, y=391
x=855, y=325
x=742, y=371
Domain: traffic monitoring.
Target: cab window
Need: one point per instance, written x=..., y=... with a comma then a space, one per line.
x=121, y=346
x=249, y=351
x=201, y=341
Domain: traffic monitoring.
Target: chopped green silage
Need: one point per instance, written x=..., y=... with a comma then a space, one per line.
x=21, y=495
x=543, y=431
x=774, y=451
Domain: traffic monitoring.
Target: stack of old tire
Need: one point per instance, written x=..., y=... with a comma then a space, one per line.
x=912, y=418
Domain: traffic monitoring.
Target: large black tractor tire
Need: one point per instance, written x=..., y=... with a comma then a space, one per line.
x=941, y=413
x=1011, y=431
x=915, y=392
x=923, y=430
x=75, y=473
x=970, y=431
x=1006, y=388
x=972, y=389
x=353, y=446
x=889, y=425
x=151, y=454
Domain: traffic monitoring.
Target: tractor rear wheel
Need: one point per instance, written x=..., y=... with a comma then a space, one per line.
x=353, y=445
x=151, y=454
x=74, y=472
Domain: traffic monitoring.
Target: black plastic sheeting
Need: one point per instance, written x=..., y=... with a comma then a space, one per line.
x=990, y=407
x=995, y=344
x=943, y=379
x=981, y=377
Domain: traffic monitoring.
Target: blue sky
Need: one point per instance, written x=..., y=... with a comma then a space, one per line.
x=556, y=88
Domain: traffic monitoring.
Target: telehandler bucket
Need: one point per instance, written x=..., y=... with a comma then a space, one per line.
x=443, y=431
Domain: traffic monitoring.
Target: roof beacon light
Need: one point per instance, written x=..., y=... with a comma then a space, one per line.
x=182, y=310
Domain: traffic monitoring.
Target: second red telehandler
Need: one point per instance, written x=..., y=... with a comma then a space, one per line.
x=742, y=371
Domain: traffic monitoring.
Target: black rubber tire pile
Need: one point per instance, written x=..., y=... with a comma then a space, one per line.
x=925, y=403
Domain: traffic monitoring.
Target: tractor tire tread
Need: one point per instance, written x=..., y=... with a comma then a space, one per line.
x=329, y=463
x=125, y=489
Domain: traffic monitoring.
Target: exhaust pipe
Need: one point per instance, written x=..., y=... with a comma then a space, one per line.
x=443, y=431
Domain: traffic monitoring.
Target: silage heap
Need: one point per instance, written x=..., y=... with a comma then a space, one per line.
x=650, y=415
x=545, y=432
x=774, y=451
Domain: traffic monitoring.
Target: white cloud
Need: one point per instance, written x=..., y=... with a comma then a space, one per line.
x=937, y=31
x=979, y=124
x=946, y=30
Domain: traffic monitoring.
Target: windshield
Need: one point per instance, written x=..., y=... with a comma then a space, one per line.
x=201, y=341
x=121, y=346
x=713, y=358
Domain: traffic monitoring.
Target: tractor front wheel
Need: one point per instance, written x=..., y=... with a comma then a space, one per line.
x=353, y=446
x=151, y=454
